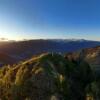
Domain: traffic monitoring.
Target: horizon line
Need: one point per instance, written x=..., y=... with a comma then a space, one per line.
x=74, y=39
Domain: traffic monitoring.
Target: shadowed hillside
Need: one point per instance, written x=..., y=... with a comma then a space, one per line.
x=25, y=49
x=90, y=55
x=6, y=59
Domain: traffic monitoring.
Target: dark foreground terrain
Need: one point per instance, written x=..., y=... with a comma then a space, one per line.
x=53, y=76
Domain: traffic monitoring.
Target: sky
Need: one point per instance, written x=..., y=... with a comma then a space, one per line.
x=43, y=19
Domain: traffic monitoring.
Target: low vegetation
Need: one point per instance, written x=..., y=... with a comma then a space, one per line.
x=49, y=77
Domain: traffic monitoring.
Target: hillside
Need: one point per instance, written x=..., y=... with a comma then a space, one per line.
x=48, y=76
x=6, y=59
x=90, y=55
x=22, y=50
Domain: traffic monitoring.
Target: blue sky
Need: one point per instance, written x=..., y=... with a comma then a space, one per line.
x=32, y=19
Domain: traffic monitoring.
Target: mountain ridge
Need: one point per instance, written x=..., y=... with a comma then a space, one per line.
x=21, y=50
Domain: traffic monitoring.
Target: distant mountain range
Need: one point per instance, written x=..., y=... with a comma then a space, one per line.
x=22, y=50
